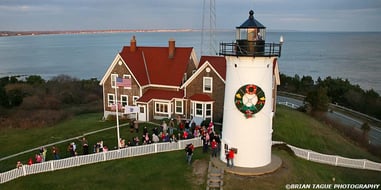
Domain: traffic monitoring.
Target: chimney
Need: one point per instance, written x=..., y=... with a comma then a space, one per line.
x=171, y=48
x=133, y=44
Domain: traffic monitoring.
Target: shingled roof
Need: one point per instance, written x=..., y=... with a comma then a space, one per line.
x=153, y=65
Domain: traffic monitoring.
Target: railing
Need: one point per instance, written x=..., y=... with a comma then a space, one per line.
x=165, y=147
x=253, y=49
x=95, y=158
x=288, y=104
x=334, y=160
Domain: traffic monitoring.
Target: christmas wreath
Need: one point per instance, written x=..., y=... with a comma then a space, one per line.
x=249, y=99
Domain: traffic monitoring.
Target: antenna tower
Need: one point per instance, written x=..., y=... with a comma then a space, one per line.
x=208, y=36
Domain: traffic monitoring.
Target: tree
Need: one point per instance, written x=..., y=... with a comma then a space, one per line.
x=34, y=79
x=318, y=99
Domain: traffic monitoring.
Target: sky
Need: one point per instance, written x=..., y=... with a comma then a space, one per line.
x=299, y=15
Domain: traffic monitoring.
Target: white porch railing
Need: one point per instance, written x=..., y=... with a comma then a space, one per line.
x=97, y=157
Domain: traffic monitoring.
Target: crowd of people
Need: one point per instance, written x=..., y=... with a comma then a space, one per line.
x=175, y=130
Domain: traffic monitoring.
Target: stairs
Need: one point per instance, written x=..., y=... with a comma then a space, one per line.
x=215, y=177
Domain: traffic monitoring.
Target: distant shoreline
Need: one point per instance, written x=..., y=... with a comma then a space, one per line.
x=52, y=32
x=32, y=33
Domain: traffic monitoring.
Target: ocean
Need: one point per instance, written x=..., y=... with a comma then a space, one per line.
x=348, y=55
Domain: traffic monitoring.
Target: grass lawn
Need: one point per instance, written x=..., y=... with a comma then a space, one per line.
x=300, y=130
x=169, y=171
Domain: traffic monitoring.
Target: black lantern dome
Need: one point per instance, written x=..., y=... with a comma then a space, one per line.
x=250, y=41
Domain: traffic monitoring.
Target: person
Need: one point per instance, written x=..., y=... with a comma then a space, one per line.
x=230, y=159
x=19, y=164
x=259, y=36
x=164, y=127
x=70, y=149
x=55, y=152
x=173, y=138
x=136, y=126
x=205, y=143
x=155, y=138
x=213, y=145
x=38, y=158
x=189, y=152
x=30, y=161
x=85, y=146
x=171, y=126
x=43, y=153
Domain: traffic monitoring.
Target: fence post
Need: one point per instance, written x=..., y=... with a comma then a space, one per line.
x=363, y=166
x=337, y=160
x=155, y=147
x=23, y=170
x=52, y=166
x=308, y=155
x=104, y=155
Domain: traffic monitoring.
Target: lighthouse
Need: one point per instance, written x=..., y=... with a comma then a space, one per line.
x=250, y=91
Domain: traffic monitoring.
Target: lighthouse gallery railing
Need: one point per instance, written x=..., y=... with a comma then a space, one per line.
x=250, y=48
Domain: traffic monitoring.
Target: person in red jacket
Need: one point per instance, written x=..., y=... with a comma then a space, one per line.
x=213, y=145
x=230, y=158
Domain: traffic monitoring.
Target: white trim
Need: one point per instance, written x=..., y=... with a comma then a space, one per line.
x=199, y=71
x=117, y=58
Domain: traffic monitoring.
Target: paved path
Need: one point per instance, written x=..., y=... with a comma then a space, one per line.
x=215, y=177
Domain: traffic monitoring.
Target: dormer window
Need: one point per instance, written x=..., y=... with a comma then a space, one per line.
x=208, y=84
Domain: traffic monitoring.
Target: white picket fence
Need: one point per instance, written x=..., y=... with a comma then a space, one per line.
x=95, y=158
x=165, y=147
x=334, y=160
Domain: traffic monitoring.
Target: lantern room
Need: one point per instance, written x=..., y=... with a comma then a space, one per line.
x=250, y=41
x=251, y=30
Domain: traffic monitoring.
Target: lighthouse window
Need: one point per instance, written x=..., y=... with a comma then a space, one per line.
x=207, y=84
x=251, y=34
x=242, y=34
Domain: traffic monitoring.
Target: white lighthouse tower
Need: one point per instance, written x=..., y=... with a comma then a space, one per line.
x=250, y=91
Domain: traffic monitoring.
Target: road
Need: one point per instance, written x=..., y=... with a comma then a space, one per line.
x=374, y=133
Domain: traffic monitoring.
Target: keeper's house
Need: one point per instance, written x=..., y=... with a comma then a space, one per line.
x=165, y=82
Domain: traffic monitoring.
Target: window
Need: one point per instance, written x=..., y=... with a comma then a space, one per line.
x=178, y=106
x=110, y=99
x=208, y=111
x=129, y=78
x=161, y=107
x=199, y=110
x=113, y=79
x=123, y=100
x=207, y=84
x=202, y=109
x=134, y=98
